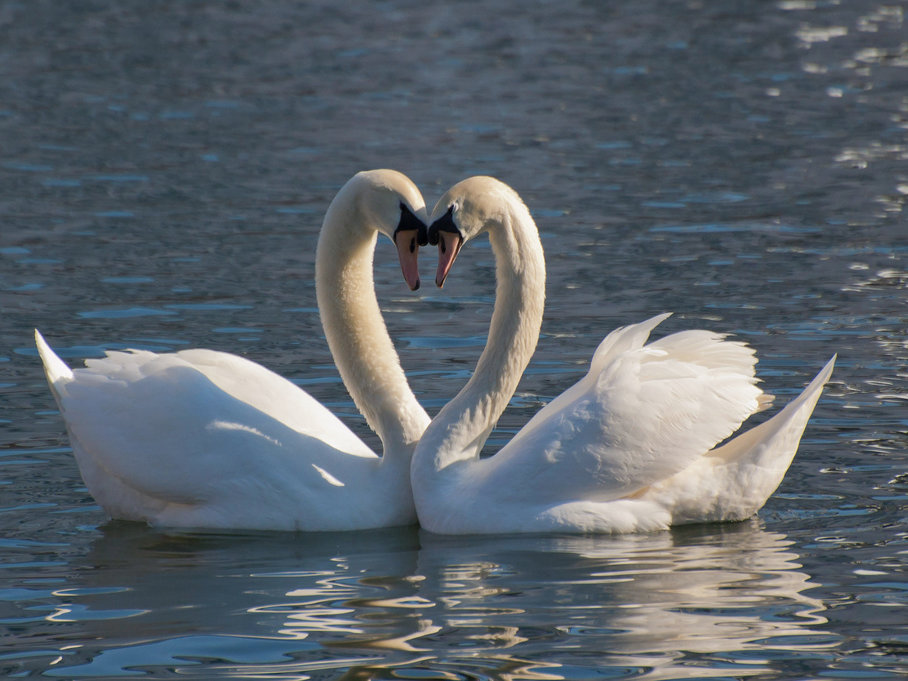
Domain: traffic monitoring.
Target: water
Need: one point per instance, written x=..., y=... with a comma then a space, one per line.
x=163, y=174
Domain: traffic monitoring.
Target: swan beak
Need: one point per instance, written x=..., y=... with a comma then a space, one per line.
x=407, y=242
x=449, y=244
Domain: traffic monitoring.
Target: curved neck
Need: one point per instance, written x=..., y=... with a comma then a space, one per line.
x=356, y=332
x=461, y=428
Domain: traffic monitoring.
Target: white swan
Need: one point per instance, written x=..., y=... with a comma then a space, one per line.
x=207, y=439
x=630, y=447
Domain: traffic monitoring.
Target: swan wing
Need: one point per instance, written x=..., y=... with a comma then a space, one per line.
x=222, y=375
x=644, y=412
x=272, y=394
x=196, y=428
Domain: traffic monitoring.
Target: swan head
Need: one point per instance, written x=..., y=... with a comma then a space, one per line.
x=466, y=210
x=392, y=204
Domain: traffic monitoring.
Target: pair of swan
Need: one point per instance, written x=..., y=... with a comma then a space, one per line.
x=206, y=439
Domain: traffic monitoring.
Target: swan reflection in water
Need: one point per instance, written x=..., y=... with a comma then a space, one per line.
x=371, y=605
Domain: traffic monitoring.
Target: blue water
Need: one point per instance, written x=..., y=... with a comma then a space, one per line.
x=163, y=172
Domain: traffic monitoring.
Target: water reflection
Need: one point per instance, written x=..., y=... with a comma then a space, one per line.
x=405, y=603
x=651, y=603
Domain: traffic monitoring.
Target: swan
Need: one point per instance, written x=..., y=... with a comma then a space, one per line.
x=630, y=447
x=204, y=439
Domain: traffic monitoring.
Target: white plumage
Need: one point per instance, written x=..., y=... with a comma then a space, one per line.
x=629, y=447
x=210, y=440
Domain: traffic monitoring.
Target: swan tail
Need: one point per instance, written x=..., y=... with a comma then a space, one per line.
x=734, y=481
x=57, y=372
x=774, y=442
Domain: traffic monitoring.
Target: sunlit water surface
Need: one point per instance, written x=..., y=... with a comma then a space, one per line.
x=163, y=172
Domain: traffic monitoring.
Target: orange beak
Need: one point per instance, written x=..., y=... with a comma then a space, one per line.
x=407, y=242
x=449, y=244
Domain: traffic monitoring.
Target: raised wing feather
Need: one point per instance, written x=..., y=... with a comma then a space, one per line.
x=642, y=413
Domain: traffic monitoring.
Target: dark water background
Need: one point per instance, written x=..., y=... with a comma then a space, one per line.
x=164, y=168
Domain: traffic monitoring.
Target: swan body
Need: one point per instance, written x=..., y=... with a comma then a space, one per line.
x=206, y=439
x=630, y=447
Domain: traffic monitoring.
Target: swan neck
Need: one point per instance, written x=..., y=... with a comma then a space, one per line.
x=356, y=332
x=460, y=430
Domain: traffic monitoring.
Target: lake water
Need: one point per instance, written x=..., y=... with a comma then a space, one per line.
x=164, y=168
